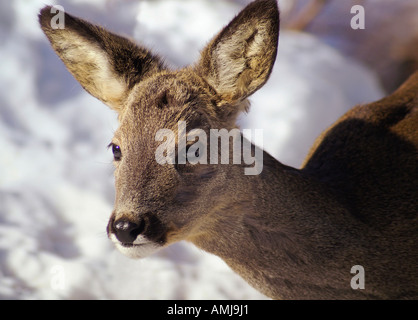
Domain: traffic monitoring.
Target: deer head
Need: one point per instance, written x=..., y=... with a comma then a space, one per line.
x=157, y=204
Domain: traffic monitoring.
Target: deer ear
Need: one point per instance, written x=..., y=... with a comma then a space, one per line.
x=239, y=60
x=105, y=64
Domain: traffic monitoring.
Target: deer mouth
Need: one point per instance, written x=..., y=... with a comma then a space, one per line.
x=140, y=248
x=131, y=245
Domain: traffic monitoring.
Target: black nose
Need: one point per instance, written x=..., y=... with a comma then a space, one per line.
x=126, y=231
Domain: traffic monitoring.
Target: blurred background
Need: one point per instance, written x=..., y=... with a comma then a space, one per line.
x=56, y=175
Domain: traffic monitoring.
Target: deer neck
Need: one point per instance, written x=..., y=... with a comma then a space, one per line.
x=281, y=215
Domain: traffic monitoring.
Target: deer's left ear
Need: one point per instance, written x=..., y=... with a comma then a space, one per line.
x=105, y=64
x=239, y=60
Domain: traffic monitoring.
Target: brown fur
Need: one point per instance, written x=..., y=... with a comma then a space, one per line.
x=290, y=233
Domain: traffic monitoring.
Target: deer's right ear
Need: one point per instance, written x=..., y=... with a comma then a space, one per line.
x=105, y=64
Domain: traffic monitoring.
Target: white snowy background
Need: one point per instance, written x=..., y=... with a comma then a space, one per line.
x=56, y=176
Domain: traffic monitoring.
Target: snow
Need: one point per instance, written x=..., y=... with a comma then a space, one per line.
x=56, y=176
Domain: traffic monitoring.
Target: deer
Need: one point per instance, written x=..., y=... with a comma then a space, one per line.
x=290, y=233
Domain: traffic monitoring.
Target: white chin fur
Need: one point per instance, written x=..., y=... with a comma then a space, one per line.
x=141, y=249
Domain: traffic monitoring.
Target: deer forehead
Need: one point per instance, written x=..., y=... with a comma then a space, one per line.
x=161, y=102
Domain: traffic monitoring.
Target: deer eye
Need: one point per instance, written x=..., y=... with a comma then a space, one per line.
x=117, y=152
